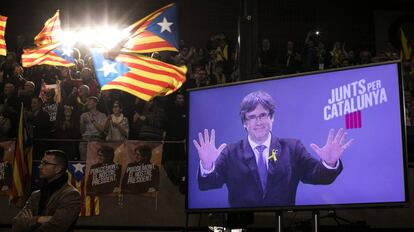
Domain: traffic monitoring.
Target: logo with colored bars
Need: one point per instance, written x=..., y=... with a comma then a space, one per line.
x=353, y=120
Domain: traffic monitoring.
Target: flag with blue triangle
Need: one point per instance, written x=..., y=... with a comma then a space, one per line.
x=90, y=205
x=51, y=54
x=156, y=32
x=140, y=76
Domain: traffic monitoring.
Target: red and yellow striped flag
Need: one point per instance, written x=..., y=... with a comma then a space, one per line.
x=156, y=32
x=140, y=76
x=3, y=50
x=51, y=54
x=50, y=31
x=22, y=165
x=89, y=204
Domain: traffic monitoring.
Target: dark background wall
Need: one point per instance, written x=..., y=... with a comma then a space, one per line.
x=336, y=20
x=350, y=21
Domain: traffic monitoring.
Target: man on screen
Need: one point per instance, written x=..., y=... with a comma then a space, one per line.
x=262, y=169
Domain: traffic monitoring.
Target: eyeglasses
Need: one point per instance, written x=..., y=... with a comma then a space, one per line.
x=45, y=162
x=255, y=117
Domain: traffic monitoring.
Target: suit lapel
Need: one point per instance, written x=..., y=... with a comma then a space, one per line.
x=273, y=162
x=52, y=199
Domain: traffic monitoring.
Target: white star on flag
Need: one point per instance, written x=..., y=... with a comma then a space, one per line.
x=108, y=68
x=78, y=167
x=165, y=25
x=67, y=52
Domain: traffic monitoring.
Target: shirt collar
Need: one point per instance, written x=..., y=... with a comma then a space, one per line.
x=253, y=144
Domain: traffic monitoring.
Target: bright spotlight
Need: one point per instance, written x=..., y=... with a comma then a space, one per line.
x=68, y=38
x=108, y=37
x=99, y=37
x=87, y=36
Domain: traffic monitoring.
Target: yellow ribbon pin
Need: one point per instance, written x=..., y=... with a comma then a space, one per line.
x=273, y=155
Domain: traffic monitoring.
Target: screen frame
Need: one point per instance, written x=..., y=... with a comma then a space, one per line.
x=405, y=203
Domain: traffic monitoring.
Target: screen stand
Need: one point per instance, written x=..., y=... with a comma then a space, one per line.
x=279, y=221
x=315, y=221
x=186, y=222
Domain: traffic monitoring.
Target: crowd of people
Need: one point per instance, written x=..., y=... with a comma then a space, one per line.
x=67, y=105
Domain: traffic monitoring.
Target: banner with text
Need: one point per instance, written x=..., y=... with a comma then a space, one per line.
x=130, y=167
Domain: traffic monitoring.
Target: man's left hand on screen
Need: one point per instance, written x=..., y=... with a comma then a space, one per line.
x=334, y=147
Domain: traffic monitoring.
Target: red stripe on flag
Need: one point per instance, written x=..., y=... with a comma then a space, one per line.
x=42, y=50
x=45, y=37
x=154, y=71
x=49, y=57
x=134, y=76
x=359, y=119
x=2, y=46
x=43, y=59
x=159, y=63
x=151, y=45
x=122, y=58
x=134, y=87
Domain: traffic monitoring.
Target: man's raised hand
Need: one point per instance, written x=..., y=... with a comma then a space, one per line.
x=334, y=147
x=206, y=148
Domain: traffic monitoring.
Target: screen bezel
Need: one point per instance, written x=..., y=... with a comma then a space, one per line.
x=405, y=203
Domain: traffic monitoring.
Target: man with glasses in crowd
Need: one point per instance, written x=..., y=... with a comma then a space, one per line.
x=55, y=207
x=262, y=169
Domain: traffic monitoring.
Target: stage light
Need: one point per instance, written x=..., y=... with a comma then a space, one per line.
x=68, y=38
x=97, y=37
x=86, y=36
x=108, y=37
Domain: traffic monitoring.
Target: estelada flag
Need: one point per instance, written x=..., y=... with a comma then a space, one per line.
x=89, y=204
x=157, y=31
x=141, y=76
x=51, y=54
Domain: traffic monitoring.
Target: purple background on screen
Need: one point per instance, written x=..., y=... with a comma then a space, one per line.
x=373, y=166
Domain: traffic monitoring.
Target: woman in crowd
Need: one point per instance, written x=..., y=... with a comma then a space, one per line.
x=116, y=127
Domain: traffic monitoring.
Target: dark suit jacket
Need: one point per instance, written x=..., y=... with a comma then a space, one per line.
x=63, y=206
x=236, y=167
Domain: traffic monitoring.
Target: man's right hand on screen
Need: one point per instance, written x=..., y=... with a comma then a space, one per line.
x=206, y=148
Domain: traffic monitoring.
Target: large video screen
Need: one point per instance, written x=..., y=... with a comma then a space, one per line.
x=328, y=139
